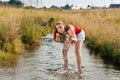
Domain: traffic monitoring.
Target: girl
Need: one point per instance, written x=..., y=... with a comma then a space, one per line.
x=73, y=34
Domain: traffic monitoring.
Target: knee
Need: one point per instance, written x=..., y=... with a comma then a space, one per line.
x=77, y=52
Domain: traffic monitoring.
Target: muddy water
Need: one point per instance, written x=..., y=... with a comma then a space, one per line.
x=46, y=64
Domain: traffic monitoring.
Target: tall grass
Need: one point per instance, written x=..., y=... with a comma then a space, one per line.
x=25, y=27
x=20, y=29
x=102, y=29
x=32, y=30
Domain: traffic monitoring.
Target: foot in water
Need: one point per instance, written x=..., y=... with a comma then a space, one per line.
x=79, y=73
x=68, y=73
x=63, y=70
x=59, y=70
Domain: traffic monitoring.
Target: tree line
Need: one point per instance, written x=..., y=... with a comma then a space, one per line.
x=16, y=3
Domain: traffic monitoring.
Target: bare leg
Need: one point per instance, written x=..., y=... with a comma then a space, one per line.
x=65, y=53
x=78, y=54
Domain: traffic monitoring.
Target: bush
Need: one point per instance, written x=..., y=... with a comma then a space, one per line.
x=30, y=31
x=6, y=56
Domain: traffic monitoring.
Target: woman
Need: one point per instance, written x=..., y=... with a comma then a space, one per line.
x=73, y=34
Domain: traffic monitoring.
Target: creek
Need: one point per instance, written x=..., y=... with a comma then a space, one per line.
x=45, y=63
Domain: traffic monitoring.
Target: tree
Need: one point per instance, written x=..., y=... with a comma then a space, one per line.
x=15, y=3
x=54, y=7
x=88, y=6
x=44, y=7
x=67, y=6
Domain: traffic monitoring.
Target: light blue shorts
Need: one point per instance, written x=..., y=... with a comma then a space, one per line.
x=81, y=36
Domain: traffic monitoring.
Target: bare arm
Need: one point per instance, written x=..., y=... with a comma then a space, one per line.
x=72, y=34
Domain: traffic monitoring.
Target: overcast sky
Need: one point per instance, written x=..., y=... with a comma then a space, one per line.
x=76, y=3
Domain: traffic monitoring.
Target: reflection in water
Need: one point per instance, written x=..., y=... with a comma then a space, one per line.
x=46, y=64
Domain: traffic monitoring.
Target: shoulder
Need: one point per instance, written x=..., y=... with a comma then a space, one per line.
x=69, y=27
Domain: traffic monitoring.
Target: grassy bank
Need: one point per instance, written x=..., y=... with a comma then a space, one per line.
x=22, y=28
x=102, y=27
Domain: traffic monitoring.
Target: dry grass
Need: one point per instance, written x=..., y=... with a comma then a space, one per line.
x=102, y=29
x=102, y=26
x=20, y=28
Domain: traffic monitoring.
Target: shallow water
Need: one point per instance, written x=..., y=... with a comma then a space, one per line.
x=46, y=63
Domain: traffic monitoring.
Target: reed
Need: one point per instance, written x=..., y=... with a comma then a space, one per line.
x=27, y=26
x=20, y=29
x=102, y=30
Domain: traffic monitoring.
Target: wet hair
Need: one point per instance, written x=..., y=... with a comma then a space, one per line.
x=67, y=27
x=55, y=30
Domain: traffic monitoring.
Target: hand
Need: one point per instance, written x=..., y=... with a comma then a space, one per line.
x=73, y=40
x=57, y=38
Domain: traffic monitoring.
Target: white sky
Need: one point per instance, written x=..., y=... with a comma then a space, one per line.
x=76, y=3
